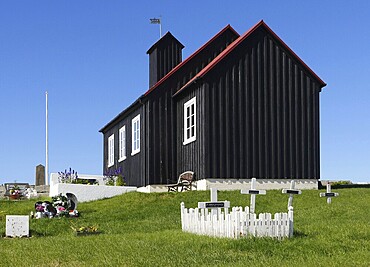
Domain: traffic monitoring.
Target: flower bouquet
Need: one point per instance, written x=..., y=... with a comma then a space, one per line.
x=85, y=230
x=61, y=206
x=15, y=193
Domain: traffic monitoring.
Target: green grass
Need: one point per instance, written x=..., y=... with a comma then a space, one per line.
x=145, y=230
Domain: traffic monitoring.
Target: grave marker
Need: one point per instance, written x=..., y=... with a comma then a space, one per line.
x=40, y=175
x=214, y=203
x=328, y=193
x=292, y=191
x=17, y=225
x=253, y=192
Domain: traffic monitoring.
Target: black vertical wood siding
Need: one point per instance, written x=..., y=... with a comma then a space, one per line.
x=263, y=118
x=133, y=167
x=191, y=156
x=163, y=57
x=164, y=119
x=257, y=116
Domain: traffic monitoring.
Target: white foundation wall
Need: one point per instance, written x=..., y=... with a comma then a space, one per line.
x=267, y=184
x=238, y=184
x=87, y=192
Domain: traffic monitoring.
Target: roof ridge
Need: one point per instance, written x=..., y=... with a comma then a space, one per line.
x=236, y=43
x=220, y=57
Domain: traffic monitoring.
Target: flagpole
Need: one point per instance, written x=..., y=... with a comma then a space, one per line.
x=46, y=143
x=160, y=27
x=158, y=21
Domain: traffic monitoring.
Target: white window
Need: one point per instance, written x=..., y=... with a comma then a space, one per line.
x=122, y=143
x=190, y=121
x=111, y=150
x=135, y=135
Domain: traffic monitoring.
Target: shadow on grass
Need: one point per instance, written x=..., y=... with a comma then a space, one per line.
x=34, y=233
x=299, y=234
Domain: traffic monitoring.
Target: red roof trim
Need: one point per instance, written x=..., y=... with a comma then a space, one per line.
x=236, y=43
x=220, y=57
x=228, y=27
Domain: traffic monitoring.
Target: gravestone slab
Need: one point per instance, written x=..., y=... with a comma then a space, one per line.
x=17, y=225
x=40, y=175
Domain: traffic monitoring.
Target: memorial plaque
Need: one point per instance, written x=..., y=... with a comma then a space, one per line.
x=215, y=204
x=292, y=191
x=253, y=192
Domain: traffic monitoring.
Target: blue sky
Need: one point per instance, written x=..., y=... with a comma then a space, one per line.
x=91, y=58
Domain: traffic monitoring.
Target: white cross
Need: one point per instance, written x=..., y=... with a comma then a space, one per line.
x=253, y=192
x=213, y=194
x=292, y=191
x=214, y=203
x=328, y=193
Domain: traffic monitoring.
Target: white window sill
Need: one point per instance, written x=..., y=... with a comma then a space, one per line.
x=110, y=165
x=135, y=152
x=121, y=159
x=189, y=141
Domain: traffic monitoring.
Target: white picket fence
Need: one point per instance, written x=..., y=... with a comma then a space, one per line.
x=236, y=224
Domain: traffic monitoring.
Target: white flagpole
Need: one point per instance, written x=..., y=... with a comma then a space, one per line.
x=158, y=21
x=160, y=27
x=46, y=144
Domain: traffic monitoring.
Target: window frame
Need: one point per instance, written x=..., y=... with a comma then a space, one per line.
x=135, y=125
x=191, y=138
x=111, y=150
x=122, y=148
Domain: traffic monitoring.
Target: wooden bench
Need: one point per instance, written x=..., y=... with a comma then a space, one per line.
x=184, y=182
x=10, y=187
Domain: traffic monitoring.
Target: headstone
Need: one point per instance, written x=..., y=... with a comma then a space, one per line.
x=17, y=225
x=40, y=175
x=328, y=193
x=253, y=192
x=292, y=191
x=72, y=201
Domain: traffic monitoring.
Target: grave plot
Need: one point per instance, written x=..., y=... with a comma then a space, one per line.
x=214, y=218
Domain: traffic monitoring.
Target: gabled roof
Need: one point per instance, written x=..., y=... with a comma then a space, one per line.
x=167, y=35
x=180, y=65
x=175, y=69
x=232, y=46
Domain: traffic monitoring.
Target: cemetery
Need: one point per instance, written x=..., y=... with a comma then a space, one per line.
x=128, y=224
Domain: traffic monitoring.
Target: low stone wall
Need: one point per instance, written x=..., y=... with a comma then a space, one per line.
x=87, y=192
x=90, y=192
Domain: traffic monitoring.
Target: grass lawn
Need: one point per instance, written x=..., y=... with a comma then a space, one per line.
x=145, y=230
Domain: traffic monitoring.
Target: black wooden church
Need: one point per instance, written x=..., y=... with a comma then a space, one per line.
x=241, y=106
